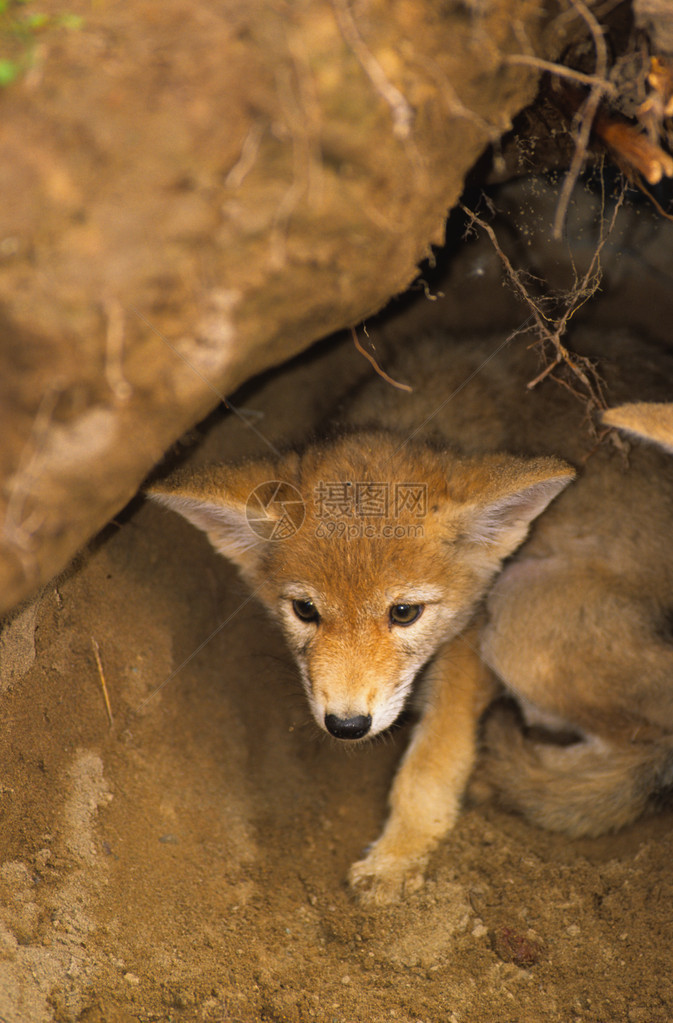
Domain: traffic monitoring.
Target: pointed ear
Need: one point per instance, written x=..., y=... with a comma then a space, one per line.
x=648, y=420
x=511, y=492
x=241, y=510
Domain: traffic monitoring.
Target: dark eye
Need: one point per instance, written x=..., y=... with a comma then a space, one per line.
x=405, y=614
x=305, y=610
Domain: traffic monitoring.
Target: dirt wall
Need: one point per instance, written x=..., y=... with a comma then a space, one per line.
x=195, y=191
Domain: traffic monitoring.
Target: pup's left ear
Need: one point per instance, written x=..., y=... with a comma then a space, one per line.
x=651, y=421
x=507, y=494
x=241, y=509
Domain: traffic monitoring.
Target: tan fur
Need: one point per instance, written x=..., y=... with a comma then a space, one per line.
x=651, y=421
x=577, y=622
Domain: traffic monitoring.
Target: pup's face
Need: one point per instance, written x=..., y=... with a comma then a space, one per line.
x=370, y=555
x=362, y=616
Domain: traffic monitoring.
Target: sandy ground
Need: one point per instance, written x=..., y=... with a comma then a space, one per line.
x=185, y=860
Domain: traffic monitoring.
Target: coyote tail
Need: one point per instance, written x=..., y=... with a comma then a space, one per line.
x=583, y=789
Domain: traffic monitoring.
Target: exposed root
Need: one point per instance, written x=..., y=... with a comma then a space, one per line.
x=657, y=205
x=606, y=87
x=114, y=350
x=635, y=146
x=370, y=358
x=582, y=377
x=586, y=117
x=401, y=111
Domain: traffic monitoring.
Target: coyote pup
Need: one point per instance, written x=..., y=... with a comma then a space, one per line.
x=375, y=549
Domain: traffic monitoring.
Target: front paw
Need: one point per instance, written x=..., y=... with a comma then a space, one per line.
x=383, y=877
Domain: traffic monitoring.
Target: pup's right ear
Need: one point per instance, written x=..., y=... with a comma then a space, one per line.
x=241, y=509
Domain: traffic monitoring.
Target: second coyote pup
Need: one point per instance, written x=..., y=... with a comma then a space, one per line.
x=374, y=551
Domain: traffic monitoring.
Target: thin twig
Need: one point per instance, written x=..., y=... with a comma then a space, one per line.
x=101, y=673
x=658, y=207
x=514, y=277
x=586, y=117
x=562, y=71
x=381, y=372
x=545, y=372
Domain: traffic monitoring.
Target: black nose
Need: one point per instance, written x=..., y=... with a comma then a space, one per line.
x=348, y=728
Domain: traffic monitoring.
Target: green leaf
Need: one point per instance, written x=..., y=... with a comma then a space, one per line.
x=9, y=70
x=74, y=22
x=36, y=21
